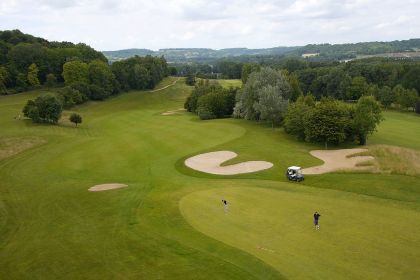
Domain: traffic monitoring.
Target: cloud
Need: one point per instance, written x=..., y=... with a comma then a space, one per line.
x=111, y=24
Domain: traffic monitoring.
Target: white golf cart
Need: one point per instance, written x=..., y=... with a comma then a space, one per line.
x=294, y=173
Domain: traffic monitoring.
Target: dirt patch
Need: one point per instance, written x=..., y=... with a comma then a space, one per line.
x=15, y=145
x=210, y=163
x=106, y=187
x=339, y=160
x=165, y=87
x=173, y=112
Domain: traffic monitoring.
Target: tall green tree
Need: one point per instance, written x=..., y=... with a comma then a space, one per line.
x=44, y=108
x=75, y=71
x=297, y=115
x=357, y=88
x=101, y=75
x=366, y=117
x=295, y=90
x=327, y=122
x=250, y=93
x=21, y=82
x=407, y=98
x=70, y=97
x=412, y=78
x=4, y=78
x=271, y=105
x=386, y=96
x=33, y=75
x=247, y=69
x=337, y=82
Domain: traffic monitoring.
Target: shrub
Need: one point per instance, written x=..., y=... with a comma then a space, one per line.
x=205, y=114
x=211, y=100
x=83, y=88
x=98, y=93
x=75, y=118
x=43, y=109
x=70, y=97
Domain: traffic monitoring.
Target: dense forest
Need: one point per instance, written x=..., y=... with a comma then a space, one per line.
x=75, y=73
x=23, y=58
x=28, y=62
x=333, y=79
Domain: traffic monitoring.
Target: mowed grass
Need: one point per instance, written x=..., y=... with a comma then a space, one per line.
x=230, y=83
x=51, y=227
x=277, y=226
x=398, y=129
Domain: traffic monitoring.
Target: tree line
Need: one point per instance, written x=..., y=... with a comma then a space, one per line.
x=209, y=100
x=331, y=121
x=271, y=95
x=395, y=83
x=96, y=81
x=27, y=61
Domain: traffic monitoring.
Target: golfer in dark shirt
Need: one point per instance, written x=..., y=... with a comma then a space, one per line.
x=316, y=220
x=225, y=205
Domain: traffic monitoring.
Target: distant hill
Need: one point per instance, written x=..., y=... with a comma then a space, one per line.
x=327, y=51
x=196, y=54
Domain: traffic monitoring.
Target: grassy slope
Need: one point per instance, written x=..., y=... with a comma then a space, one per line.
x=51, y=227
x=398, y=129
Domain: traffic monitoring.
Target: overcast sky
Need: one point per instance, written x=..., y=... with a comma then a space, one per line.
x=154, y=24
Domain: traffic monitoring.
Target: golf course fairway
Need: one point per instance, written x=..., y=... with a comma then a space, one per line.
x=276, y=225
x=169, y=222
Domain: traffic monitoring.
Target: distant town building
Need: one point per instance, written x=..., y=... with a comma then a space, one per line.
x=306, y=55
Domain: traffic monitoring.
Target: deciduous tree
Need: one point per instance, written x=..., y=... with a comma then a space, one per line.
x=33, y=75
x=250, y=93
x=327, y=122
x=45, y=108
x=75, y=118
x=357, y=88
x=75, y=71
x=366, y=116
x=271, y=105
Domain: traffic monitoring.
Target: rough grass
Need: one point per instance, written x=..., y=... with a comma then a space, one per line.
x=15, y=145
x=395, y=160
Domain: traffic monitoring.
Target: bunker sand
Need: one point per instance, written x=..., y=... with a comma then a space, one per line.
x=337, y=160
x=210, y=163
x=106, y=187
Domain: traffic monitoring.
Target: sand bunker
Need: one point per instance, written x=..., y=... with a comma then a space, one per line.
x=336, y=160
x=173, y=112
x=210, y=163
x=106, y=187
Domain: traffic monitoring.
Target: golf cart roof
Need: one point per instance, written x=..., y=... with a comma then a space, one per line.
x=294, y=168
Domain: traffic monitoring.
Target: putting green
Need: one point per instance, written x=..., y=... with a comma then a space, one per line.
x=360, y=237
